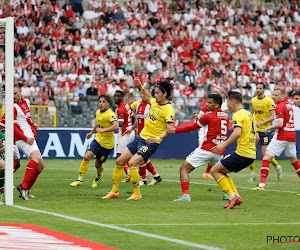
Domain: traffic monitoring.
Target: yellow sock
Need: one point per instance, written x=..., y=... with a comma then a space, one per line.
x=135, y=179
x=224, y=184
x=100, y=171
x=83, y=168
x=252, y=167
x=117, y=175
x=230, y=181
x=274, y=162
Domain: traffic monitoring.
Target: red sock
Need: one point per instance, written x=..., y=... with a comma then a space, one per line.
x=207, y=171
x=143, y=172
x=35, y=176
x=264, y=171
x=150, y=168
x=297, y=167
x=15, y=164
x=185, y=186
x=29, y=174
x=126, y=168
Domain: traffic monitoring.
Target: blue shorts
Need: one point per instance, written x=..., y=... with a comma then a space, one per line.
x=264, y=139
x=100, y=152
x=235, y=162
x=141, y=147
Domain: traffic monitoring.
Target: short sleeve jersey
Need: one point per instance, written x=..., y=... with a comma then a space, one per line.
x=215, y=129
x=104, y=120
x=124, y=114
x=159, y=116
x=285, y=112
x=142, y=110
x=261, y=110
x=246, y=143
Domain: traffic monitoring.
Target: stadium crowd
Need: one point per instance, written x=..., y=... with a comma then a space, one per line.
x=64, y=52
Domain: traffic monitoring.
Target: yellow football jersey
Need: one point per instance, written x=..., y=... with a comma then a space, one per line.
x=158, y=117
x=104, y=120
x=133, y=106
x=261, y=110
x=246, y=143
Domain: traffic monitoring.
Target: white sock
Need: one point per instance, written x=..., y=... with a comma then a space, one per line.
x=80, y=179
x=230, y=197
x=261, y=185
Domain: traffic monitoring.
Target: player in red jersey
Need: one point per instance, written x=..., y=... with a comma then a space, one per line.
x=215, y=130
x=25, y=139
x=124, y=114
x=142, y=108
x=284, y=138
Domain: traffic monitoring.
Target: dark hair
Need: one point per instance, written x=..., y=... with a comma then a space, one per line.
x=106, y=97
x=119, y=92
x=297, y=92
x=233, y=95
x=261, y=83
x=165, y=86
x=217, y=98
x=279, y=89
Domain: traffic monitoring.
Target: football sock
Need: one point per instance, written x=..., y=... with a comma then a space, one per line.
x=1, y=180
x=230, y=181
x=297, y=167
x=117, y=175
x=264, y=172
x=143, y=172
x=151, y=169
x=35, y=176
x=252, y=167
x=185, y=187
x=224, y=184
x=30, y=174
x=135, y=178
x=126, y=169
x=83, y=168
x=99, y=171
x=207, y=171
x=15, y=164
x=274, y=162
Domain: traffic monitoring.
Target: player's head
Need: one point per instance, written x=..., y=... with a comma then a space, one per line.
x=163, y=90
x=118, y=96
x=260, y=89
x=296, y=96
x=103, y=102
x=234, y=101
x=278, y=95
x=214, y=101
x=17, y=94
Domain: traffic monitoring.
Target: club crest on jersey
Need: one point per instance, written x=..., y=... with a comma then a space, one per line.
x=278, y=114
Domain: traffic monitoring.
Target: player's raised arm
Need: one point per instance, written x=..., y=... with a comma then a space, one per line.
x=148, y=96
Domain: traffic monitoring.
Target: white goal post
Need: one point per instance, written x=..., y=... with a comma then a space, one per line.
x=8, y=24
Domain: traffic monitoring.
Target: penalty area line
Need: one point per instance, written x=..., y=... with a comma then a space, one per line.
x=154, y=236
x=211, y=184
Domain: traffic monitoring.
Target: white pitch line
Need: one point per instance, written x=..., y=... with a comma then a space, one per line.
x=210, y=184
x=155, y=236
x=214, y=224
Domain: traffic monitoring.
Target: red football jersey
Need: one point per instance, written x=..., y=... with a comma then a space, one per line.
x=142, y=112
x=215, y=129
x=124, y=114
x=285, y=112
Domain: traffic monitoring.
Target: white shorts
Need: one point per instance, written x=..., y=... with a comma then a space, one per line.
x=276, y=147
x=26, y=148
x=15, y=149
x=123, y=141
x=201, y=157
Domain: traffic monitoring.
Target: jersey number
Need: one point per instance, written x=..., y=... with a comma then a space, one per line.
x=223, y=127
x=291, y=120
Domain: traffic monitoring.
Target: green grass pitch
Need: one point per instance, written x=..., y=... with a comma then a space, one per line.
x=203, y=221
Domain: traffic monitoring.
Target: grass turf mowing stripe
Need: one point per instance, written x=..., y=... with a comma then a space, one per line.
x=158, y=237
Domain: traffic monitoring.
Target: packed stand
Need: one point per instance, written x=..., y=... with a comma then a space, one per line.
x=70, y=55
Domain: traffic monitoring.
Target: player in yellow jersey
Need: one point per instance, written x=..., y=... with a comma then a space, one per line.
x=161, y=116
x=102, y=145
x=263, y=113
x=245, y=133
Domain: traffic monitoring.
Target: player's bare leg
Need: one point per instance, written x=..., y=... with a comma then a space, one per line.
x=118, y=172
x=185, y=169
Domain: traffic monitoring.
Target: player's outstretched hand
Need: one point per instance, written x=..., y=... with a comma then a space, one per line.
x=151, y=140
x=36, y=126
x=196, y=116
x=216, y=149
x=266, y=130
x=138, y=81
x=89, y=135
x=30, y=141
x=171, y=130
x=128, y=131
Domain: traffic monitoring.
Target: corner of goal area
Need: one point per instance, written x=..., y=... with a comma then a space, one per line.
x=26, y=236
